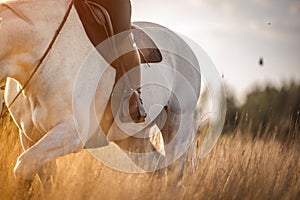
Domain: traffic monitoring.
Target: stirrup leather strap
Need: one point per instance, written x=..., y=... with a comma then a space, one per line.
x=101, y=16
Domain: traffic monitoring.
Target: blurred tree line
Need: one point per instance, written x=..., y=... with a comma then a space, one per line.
x=265, y=109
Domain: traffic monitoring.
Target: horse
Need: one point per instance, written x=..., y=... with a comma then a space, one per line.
x=41, y=56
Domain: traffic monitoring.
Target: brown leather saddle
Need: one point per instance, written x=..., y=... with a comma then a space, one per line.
x=99, y=15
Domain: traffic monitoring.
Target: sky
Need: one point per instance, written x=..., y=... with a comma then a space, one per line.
x=235, y=34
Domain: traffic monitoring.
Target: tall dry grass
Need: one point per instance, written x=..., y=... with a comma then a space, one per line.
x=239, y=167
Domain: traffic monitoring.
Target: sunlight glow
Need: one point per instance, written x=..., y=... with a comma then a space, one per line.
x=236, y=37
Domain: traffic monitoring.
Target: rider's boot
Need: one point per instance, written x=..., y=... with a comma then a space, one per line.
x=129, y=61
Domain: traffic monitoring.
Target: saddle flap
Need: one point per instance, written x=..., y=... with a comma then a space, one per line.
x=148, y=55
x=96, y=21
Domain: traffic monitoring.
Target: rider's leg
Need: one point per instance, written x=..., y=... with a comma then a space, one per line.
x=120, y=16
x=119, y=12
x=129, y=61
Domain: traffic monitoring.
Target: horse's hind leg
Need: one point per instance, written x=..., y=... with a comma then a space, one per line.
x=179, y=129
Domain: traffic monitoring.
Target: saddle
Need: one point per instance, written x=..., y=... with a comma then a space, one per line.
x=101, y=17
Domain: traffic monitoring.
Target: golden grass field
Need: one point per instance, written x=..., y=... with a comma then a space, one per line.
x=239, y=167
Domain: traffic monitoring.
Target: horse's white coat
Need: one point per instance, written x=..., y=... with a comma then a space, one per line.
x=43, y=112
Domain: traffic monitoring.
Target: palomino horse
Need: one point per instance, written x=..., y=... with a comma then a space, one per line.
x=41, y=55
